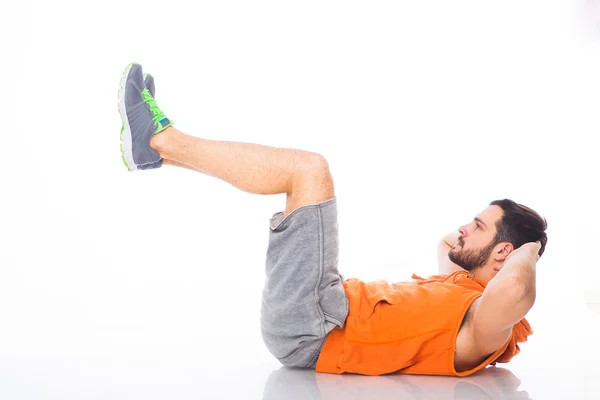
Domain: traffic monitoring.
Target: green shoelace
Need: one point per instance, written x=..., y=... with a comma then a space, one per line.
x=158, y=114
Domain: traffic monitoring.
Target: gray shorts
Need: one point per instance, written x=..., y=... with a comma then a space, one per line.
x=303, y=298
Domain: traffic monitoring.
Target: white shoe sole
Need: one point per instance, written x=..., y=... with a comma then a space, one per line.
x=126, y=141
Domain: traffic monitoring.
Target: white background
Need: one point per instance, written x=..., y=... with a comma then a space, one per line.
x=126, y=285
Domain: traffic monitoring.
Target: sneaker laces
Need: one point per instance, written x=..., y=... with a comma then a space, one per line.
x=156, y=111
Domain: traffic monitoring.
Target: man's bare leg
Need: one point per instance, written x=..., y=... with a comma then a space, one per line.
x=303, y=176
x=176, y=163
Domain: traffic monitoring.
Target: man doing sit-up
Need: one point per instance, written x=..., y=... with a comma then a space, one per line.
x=455, y=323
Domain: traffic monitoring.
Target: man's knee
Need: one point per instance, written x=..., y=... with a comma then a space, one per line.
x=312, y=183
x=315, y=162
x=314, y=173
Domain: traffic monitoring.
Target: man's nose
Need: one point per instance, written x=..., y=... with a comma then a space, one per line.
x=463, y=231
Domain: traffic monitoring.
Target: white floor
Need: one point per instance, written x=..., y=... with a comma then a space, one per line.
x=78, y=360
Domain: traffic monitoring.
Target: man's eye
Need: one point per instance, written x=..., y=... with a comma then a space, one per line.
x=478, y=226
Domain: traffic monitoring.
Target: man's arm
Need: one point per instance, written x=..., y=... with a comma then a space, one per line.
x=506, y=299
x=445, y=266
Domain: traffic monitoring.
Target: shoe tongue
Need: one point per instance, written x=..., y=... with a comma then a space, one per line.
x=149, y=82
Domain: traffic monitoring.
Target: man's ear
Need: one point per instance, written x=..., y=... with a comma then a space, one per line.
x=503, y=250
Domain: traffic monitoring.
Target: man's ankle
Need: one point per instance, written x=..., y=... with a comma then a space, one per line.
x=160, y=141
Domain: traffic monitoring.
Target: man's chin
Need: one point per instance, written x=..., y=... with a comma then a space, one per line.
x=462, y=265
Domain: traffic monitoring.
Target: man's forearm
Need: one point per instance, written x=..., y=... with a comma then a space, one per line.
x=520, y=269
x=507, y=298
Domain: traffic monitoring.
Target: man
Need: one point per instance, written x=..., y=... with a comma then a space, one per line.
x=455, y=323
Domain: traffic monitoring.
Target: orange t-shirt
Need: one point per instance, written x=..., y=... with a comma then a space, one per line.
x=408, y=327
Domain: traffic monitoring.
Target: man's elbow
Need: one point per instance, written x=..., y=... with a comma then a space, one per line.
x=450, y=239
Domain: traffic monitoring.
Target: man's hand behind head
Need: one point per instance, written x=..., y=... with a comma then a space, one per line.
x=528, y=250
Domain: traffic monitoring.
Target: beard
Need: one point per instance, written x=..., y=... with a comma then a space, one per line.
x=473, y=258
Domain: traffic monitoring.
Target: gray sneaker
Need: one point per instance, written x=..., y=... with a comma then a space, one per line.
x=149, y=83
x=141, y=119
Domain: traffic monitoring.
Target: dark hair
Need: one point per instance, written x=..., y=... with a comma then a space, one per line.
x=519, y=225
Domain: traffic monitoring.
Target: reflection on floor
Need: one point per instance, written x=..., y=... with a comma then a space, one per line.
x=296, y=384
x=561, y=361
